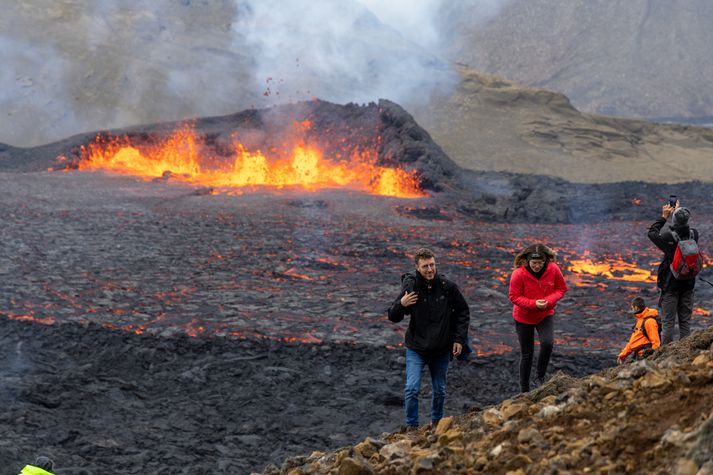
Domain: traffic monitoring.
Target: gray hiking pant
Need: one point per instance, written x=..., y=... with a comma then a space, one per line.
x=676, y=305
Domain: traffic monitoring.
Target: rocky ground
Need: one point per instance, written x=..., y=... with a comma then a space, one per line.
x=107, y=401
x=150, y=325
x=648, y=416
x=157, y=258
x=147, y=327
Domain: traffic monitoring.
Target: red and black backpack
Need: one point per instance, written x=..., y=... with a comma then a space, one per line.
x=687, y=259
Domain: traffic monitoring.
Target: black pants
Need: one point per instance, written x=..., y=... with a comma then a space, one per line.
x=526, y=336
x=676, y=305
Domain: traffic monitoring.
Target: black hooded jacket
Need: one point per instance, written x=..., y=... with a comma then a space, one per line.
x=664, y=240
x=439, y=318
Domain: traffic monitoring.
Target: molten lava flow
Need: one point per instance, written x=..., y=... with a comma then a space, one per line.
x=29, y=318
x=183, y=156
x=616, y=269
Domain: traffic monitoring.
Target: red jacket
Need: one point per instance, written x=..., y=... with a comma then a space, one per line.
x=525, y=289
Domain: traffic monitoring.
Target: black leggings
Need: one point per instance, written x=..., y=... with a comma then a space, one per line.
x=526, y=336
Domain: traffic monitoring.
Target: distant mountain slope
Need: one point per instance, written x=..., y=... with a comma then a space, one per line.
x=636, y=58
x=493, y=124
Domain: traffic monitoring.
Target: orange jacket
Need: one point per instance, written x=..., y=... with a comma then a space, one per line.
x=638, y=340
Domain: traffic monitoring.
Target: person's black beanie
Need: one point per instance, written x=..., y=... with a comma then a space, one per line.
x=680, y=217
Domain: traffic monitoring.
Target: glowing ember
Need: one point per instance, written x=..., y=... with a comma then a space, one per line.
x=183, y=156
x=494, y=349
x=30, y=318
x=194, y=328
x=701, y=311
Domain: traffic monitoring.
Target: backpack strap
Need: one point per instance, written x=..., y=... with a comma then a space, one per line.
x=692, y=234
x=643, y=326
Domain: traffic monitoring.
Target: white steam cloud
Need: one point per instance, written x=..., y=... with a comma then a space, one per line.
x=33, y=101
x=72, y=66
x=338, y=51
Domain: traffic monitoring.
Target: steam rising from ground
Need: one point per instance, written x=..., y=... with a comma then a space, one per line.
x=72, y=66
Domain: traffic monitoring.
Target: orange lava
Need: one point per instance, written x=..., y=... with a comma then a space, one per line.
x=494, y=350
x=30, y=318
x=616, y=269
x=183, y=156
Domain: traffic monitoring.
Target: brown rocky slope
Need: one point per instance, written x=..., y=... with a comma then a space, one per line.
x=492, y=124
x=649, y=416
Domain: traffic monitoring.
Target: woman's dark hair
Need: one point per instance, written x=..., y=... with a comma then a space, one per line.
x=545, y=253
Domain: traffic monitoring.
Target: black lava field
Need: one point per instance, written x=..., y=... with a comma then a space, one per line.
x=153, y=327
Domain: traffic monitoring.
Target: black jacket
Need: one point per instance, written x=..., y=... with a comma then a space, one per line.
x=664, y=240
x=439, y=318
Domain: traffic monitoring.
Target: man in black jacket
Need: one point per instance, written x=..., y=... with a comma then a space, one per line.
x=676, y=295
x=438, y=328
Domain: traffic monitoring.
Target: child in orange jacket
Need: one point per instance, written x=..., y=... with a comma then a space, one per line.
x=645, y=333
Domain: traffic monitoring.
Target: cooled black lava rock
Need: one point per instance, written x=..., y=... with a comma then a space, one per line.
x=107, y=401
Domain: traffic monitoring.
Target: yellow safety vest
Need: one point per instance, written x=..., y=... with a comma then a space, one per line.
x=32, y=470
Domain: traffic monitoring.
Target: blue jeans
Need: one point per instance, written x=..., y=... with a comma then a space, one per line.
x=438, y=367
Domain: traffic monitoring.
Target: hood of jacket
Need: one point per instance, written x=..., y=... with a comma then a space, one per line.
x=646, y=313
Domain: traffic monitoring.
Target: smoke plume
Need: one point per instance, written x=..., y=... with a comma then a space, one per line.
x=75, y=66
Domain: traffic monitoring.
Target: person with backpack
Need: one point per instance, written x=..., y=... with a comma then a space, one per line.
x=681, y=263
x=645, y=335
x=536, y=285
x=438, y=328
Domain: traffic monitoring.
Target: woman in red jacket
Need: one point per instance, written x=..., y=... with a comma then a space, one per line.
x=536, y=285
